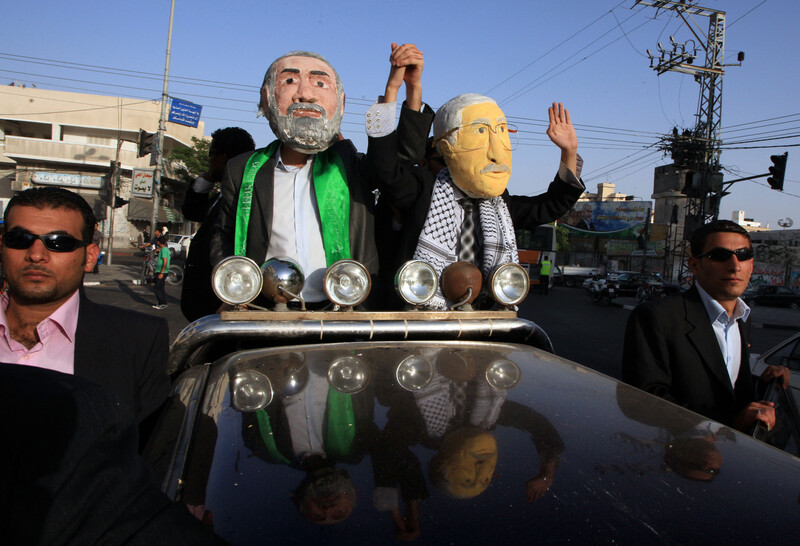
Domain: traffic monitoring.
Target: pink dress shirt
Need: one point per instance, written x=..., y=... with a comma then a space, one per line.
x=55, y=349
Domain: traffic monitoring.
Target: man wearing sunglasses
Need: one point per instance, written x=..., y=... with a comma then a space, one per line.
x=693, y=349
x=47, y=321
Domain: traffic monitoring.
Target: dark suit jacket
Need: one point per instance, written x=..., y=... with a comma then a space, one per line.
x=197, y=295
x=409, y=189
x=124, y=351
x=196, y=205
x=71, y=474
x=362, y=199
x=670, y=351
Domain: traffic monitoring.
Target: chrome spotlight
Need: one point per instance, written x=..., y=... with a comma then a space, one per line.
x=414, y=372
x=293, y=382
x=509, y=284
x=416, y=282
x=251, y=391
x=348, y=374
x=283, y=280
x=347, y=283
x=503, y=374
x=236, y=280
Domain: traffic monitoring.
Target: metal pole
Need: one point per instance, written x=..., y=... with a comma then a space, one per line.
x=114, y=188
x=162, y=127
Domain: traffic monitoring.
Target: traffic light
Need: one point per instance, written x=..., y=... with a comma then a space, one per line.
x=778, y=171
x=146, y=141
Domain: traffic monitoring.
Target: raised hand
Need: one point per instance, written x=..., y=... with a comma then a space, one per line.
x=406, y=67
x=562, y=134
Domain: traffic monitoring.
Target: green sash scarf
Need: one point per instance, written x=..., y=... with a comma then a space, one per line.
x=340, y=434
x=333, y=202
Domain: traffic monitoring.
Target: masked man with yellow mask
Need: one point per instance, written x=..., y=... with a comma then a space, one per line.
x=465, y=212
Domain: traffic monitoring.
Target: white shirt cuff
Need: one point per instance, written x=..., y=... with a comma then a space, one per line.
x=573, y=179
x=380, y=119
x=201, y=185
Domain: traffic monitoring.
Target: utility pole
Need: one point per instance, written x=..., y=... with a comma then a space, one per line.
x=162, y=128
x=696, y=150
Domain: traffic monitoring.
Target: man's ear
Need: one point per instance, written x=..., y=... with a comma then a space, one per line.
x=445, y=148
x=693, y=264
x=92, y=254
x=264, y=104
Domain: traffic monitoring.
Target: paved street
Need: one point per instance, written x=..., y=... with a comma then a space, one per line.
x=114, y=286
x=581, y=330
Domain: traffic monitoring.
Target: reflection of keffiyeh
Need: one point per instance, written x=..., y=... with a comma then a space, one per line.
x=438, y=240
x=445, y=405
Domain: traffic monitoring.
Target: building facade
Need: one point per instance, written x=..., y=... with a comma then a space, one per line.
x=71, y=139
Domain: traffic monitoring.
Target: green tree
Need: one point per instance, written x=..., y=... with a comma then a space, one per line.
x=189, y=163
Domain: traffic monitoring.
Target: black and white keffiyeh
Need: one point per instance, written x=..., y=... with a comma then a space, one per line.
x=439, y=238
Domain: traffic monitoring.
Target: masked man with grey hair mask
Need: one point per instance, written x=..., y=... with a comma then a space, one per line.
x=306, y=195
x=465, y=213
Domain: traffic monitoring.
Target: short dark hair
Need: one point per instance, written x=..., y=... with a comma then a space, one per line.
x=699, y=236
x=232, y=141
x=162, y=240
x=431, y=153
x=55, y=198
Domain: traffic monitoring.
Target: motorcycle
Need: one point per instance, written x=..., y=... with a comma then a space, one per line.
x=601, y=289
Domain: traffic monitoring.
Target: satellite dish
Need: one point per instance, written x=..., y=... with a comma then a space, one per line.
x=785, y=222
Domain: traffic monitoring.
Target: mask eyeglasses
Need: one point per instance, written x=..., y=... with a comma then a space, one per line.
x=474, y=136
x=720, y=254
x=20, y=240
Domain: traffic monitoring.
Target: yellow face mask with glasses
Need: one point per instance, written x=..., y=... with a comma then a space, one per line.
x=480, y=160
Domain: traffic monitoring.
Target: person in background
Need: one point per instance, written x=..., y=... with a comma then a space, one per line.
x=97, y=239
x=544, y=275
x=161, y=272
x=200, y=205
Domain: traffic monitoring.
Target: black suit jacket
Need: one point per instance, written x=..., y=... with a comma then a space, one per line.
x=670, y=351
x=362, y=199
x=409, y=189
x=196, y=205
x=124, y=351
x=197, y=295
x=71, y=474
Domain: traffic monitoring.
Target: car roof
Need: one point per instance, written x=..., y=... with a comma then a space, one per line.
x=609, y=449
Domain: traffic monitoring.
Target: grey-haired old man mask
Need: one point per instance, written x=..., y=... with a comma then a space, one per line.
x=304, y=101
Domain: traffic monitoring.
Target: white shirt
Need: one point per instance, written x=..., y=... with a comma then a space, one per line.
x=728, y=337
x=296, y=230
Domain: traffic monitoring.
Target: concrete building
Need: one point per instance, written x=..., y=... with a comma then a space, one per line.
x=605, y=192
x=747, y=223
x=70, y=139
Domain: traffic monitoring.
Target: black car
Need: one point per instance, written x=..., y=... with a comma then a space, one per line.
x=449, y=427
x=627, y=282
x=771, y=296
x=354, y=428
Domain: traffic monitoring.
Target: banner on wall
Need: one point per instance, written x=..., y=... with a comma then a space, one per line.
x=605, y=216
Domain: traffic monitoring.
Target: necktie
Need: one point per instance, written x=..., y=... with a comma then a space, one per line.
x=466, y=250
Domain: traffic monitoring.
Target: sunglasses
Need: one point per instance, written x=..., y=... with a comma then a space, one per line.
x=723, y=254
x=20, y=240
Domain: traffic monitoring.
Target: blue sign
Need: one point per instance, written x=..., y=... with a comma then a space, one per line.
x=184, y=112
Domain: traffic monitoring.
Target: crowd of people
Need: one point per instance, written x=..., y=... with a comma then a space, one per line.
x=310, y=196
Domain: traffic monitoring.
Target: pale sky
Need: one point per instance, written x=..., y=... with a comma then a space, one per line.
x=588, y=54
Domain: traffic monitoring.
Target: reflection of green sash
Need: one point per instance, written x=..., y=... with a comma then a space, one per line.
x=340, y=434
x=333, y=202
